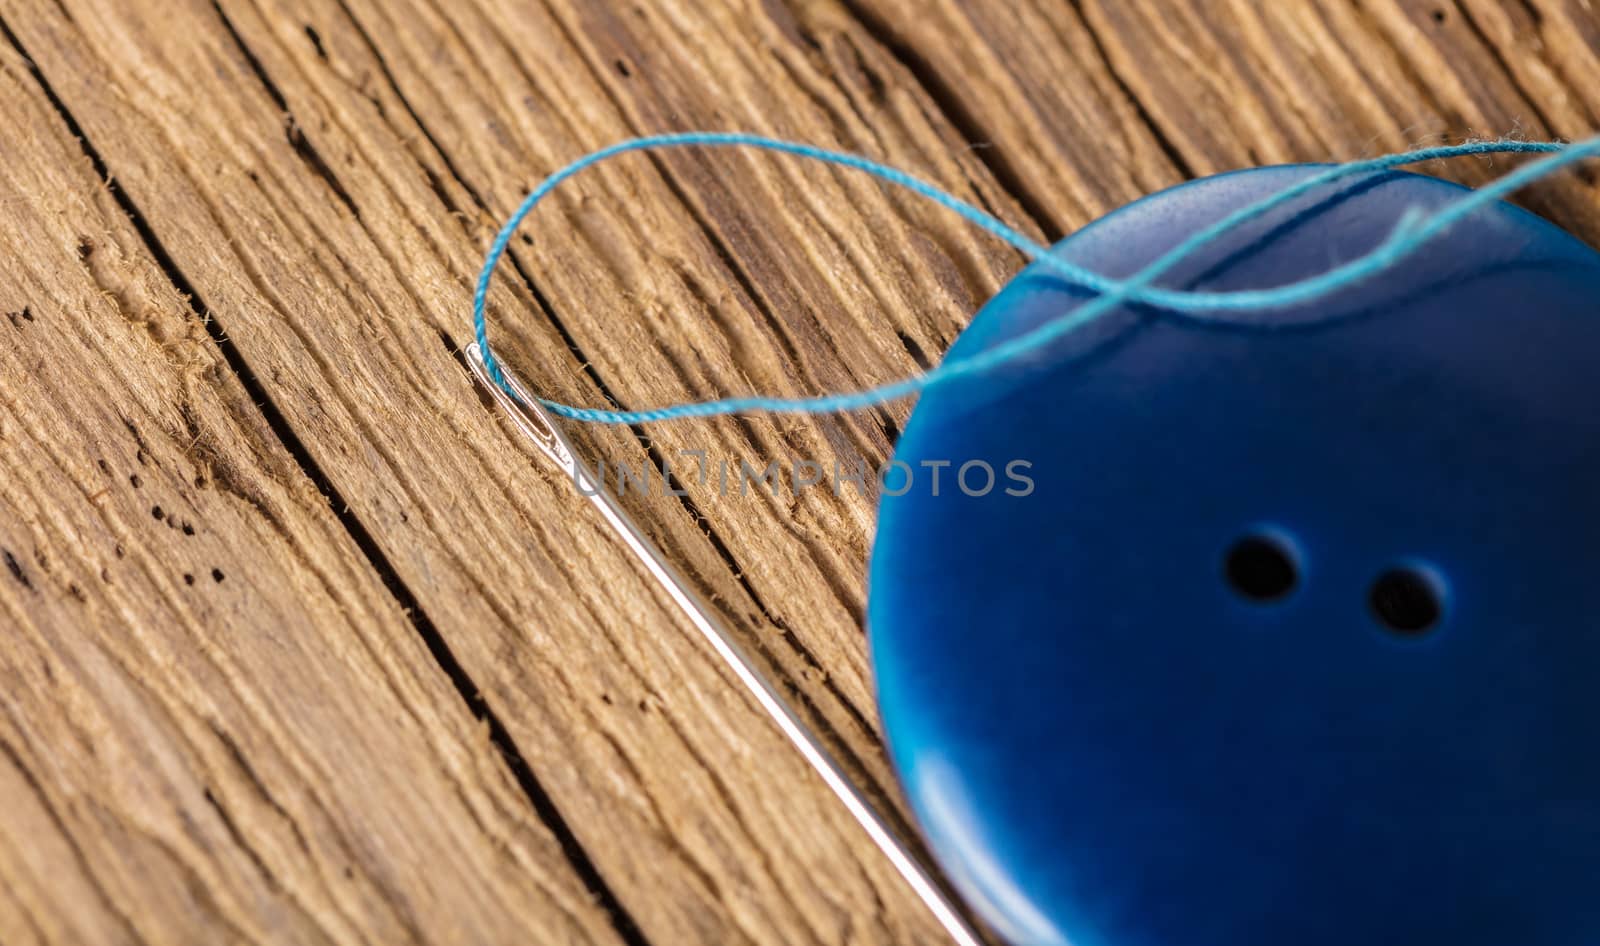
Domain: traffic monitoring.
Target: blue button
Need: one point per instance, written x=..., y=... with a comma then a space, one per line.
x=1281, y=630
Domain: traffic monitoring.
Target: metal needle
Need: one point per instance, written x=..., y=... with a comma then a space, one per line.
x=540, y=427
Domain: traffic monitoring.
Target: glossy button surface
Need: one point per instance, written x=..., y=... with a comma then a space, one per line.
x=1188, y=691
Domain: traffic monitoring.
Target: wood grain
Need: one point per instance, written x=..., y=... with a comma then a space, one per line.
x=1142, y=95
x=217, y=725
x=324, y=175
x=675, y=787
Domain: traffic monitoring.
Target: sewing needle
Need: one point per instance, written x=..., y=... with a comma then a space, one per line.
x=540, y=427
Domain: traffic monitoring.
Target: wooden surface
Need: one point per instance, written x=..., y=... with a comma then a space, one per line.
x=301, y=644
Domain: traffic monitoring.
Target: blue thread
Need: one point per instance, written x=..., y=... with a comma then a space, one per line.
x=1412, y=233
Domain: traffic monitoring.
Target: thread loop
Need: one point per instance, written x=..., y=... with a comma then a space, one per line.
x=1413, y=232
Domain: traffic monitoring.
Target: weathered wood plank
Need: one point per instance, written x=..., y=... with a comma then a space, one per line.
x=216, y=725
x=335, y=262
x=336, y=245
x=778, y=279
x=1135, y=96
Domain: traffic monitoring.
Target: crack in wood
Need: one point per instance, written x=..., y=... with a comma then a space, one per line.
x=1500, y=60
x=85, y=863
x=657, y=459
x=296, y=135
x=830, y=734
x=17, y=572
x=408, y=602
x=972, y=129
x=1163, y=140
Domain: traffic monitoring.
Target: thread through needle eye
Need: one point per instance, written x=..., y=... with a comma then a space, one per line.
x=540, y=427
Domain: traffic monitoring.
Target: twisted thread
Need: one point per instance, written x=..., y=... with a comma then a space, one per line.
x=1414, y=231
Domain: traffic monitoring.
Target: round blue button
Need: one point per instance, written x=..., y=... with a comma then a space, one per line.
x=1278, y=631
